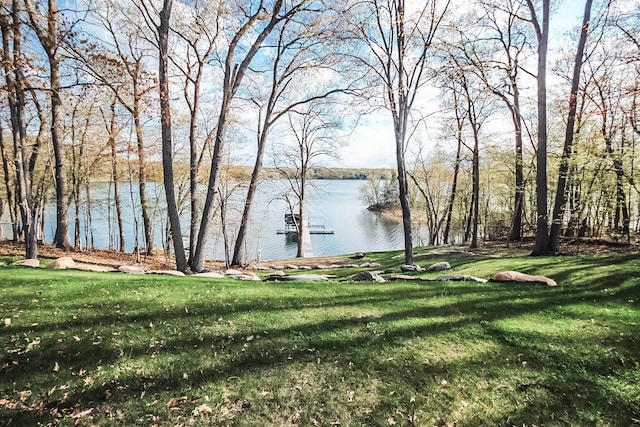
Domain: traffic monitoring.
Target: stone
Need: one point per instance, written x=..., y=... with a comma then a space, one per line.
x=291, y=267
x=322, y=267
x=367, y=276
x=131, y=269
x=439, y=266
x=210, y=275
x=463, y=278
x=300, y=278
x=277, y=267
x=92, y=267
x=246, y=277
x=516, y=276
x=31, y=262
x=233, y=272
x=415, y=268
x=166, y=272
x=305, y=267
x=62, y=263
x=359, y=255
x=403, y=277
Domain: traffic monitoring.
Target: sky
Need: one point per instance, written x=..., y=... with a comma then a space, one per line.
x=372, y=144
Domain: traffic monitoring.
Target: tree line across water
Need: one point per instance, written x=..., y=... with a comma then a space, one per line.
x=501, y=118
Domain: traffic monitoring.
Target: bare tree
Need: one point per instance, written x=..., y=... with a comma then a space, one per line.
x=301, y=50
x=257, y=24
x=119, y=63
x=541, y=27
x=200, y=32
x=397, y=50
x=10, y=25
x=46, y=25
x=312, y=139
x=558, y=208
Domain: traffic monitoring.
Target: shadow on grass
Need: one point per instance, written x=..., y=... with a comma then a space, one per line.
x=121, y=331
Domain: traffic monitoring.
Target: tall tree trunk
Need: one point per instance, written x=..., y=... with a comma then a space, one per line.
x=11, y=42
x=111, y=129
x=518, y=202
x=142, y=178
x=476, y=187
x=542, y=223
x=560, y=202
x=167, y=143
x=233, y=75
x=9, y=185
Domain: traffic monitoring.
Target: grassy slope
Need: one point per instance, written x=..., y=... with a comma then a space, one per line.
x=145, y=350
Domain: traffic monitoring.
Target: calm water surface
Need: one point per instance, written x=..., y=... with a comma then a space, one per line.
x=334, y=204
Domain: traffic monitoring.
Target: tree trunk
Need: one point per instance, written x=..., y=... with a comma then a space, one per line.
x=476, y=187
x=167, y=143
x=11, y=32
x=560, y=202
x=233, y=75
x=142, y=177
x=115, y=177
x=542, y=223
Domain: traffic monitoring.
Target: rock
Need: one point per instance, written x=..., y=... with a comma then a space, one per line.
x=415, y=268
x=369, y=264
x=393, y=270
x=439, y=266
x=277, y=267
x=242, y=275
x=403, y=277
x=131, y=269
x=166, y=272
x=32, y=262
x=463, y=278
x=291, y=267
x=515, y=276
x=305, y=267
x=92, y=267
x=300, y=278
x=322, y=267
x=246, y=278
x=62, y=263
x=359, y=255
x=210, y=275
x=367, y=276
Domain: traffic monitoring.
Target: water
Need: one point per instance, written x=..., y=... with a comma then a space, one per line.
x=333, y=203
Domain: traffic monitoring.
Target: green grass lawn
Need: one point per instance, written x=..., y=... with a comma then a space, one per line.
x=112, y=349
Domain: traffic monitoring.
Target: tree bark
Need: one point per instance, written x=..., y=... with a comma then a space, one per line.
x=542, y=223
x=560, y=201
x=167, y=143
x=11, y=41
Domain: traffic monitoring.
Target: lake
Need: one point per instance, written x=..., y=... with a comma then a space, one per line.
x=332, y=203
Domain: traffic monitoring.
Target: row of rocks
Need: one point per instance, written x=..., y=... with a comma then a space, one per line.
x=279, y=274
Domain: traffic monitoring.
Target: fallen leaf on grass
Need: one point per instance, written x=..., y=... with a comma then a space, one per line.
x=7, y=322
x=203, y=409
x=82, y=414
x=175, y=404
x=56, y=367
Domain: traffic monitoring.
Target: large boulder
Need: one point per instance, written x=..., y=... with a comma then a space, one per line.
x=367, y=276
x=131, y=269
x=516, y=276
x=62, y=263
x=31, y=262
x=439, y=266
x=414, y=268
